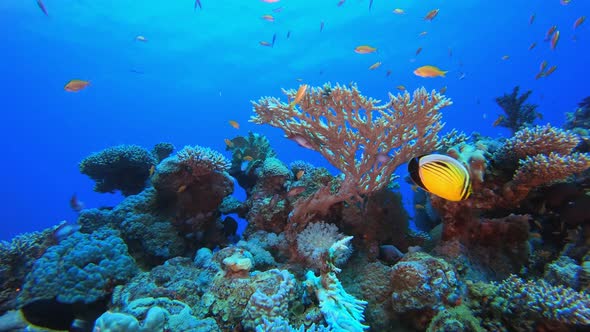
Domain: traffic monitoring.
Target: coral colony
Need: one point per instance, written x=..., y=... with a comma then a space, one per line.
x=322, y=252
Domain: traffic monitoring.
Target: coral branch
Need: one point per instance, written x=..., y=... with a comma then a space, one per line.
x=365, y=141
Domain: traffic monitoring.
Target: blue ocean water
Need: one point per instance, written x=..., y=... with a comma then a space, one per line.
x=200, y=68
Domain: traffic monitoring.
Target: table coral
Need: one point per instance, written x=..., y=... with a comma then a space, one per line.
x=366, y=141
x=123, y=167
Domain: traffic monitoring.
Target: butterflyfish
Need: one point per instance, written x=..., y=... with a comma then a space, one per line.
x=441, y=175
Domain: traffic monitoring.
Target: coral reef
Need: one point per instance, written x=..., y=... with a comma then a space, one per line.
x=123, y=167
x=16, y=261
x=514, y=256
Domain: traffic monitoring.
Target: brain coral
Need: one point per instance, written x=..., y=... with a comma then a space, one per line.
x=421, y=281
x=123, y=167
x=81, y=268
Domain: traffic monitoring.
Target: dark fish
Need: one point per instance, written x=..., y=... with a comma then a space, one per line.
x=340, y=3
x=370, y=4
x=42, y=6
x=274, y=38
x=390, y=254
x=198, y=4
x=322, y=26
x=288, y=34
x=76, y=204
x=230, y=226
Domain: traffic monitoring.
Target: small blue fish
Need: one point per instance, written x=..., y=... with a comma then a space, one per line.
x=288, y=34
x=370, y=4
x=198, y=4
x=322, y=26
x=274, y=38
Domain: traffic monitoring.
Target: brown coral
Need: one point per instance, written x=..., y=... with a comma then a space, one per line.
x=367, y=142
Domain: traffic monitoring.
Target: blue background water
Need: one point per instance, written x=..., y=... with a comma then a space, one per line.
x=201, y=68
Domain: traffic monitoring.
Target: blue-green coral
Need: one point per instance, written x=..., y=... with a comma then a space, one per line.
x=538, y=300
x=82, y=268
x=123, y=167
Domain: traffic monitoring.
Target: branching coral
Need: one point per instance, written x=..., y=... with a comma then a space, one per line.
x=518, y=114
x=366, y=141
x=530, y=300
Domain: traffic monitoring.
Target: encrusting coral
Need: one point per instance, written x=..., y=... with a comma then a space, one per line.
x=365, y=141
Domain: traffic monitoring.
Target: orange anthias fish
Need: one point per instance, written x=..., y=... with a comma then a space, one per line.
x=152, y=170
x=579, y=21
x=505, y=57
x=550, y=32
x=299, y=95
x=76, y=85
x=498, y=121
x=228, y=143
x=365, y=49
x=141, y=38
x=543, y=65
x=401, y=88
x=299, y=174
x=76, y=204
x=399, y=11
x=301, y=141
x=248, y=158
x=265, y=43
x=268, y=17
x=270, y=1
x=550, y=70
x=533, y=45
x=554, y=40
x=429, y=71
x=431, y=15
x=234, y=124
x=295, y=191
x=565, y=2
x=375, y=65
x=423, y=33
x=443, y=89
